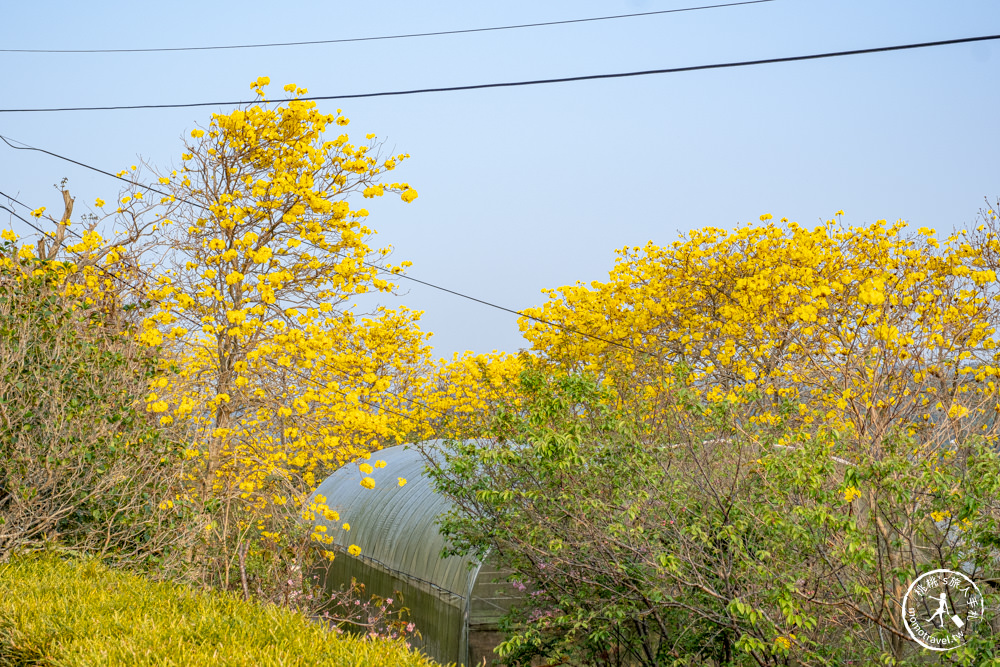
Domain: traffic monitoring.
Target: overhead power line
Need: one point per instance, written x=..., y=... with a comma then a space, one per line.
x=340, y=391
x=148, y=188
x=384, y=37
x=608, y=341
x=19, y=217
x=26, y=221
x=532, y=82
x=512, y=311
x=403, y=397
x=19, y=203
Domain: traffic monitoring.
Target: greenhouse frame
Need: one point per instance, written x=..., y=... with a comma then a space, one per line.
x=455, y=602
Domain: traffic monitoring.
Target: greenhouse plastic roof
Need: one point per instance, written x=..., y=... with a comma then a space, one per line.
x=396, y=527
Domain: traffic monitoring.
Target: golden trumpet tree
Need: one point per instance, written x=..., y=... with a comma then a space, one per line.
x=251, y=264
x=274, y=372
x=858, y=328
x=787, y=427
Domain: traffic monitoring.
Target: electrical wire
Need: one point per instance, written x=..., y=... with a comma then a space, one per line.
x=384, y=37
x=368, y=264
x=532, y=82
x=381, y=408
x=15, y=214
x=19, y=203
x=27, y=147
x=511, y=310
x=24, y=220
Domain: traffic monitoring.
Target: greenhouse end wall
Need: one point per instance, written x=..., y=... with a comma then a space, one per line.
x=440, y=622
x=454, y=602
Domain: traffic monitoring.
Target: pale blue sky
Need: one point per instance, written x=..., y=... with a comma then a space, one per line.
x=527, y=188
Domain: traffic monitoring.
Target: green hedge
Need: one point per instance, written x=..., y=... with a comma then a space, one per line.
x=72, y=613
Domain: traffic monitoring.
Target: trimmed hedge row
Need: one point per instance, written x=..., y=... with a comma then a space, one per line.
x=71, y=613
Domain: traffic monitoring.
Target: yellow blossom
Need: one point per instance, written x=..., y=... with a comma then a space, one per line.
x=850, y=493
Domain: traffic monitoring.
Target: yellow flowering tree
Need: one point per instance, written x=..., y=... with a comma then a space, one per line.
x=274, y=373
x=794, y=424
x=859, y=328
x=251, y=263
x=460, y=391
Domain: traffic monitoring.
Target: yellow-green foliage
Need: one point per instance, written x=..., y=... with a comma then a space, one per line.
x=72, y=613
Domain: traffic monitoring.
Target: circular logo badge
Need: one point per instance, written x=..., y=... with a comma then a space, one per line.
x=940, y=608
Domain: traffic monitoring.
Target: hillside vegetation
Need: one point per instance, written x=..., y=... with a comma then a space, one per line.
x=69, y=613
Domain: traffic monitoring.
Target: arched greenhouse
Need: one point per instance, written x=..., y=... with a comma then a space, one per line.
x=455, y=602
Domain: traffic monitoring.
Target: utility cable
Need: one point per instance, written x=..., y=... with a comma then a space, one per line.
x=25, y=221
x=511, y=310
x=19, y=203
x=533, y=82
x=382, y=269
x=26, y=147
x=345, y=394
x=381, y=408
x=15, y=214
x=384, y=37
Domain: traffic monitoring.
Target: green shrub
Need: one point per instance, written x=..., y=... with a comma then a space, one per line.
x=679, y=538
x=72, y=613
x=80, y=462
